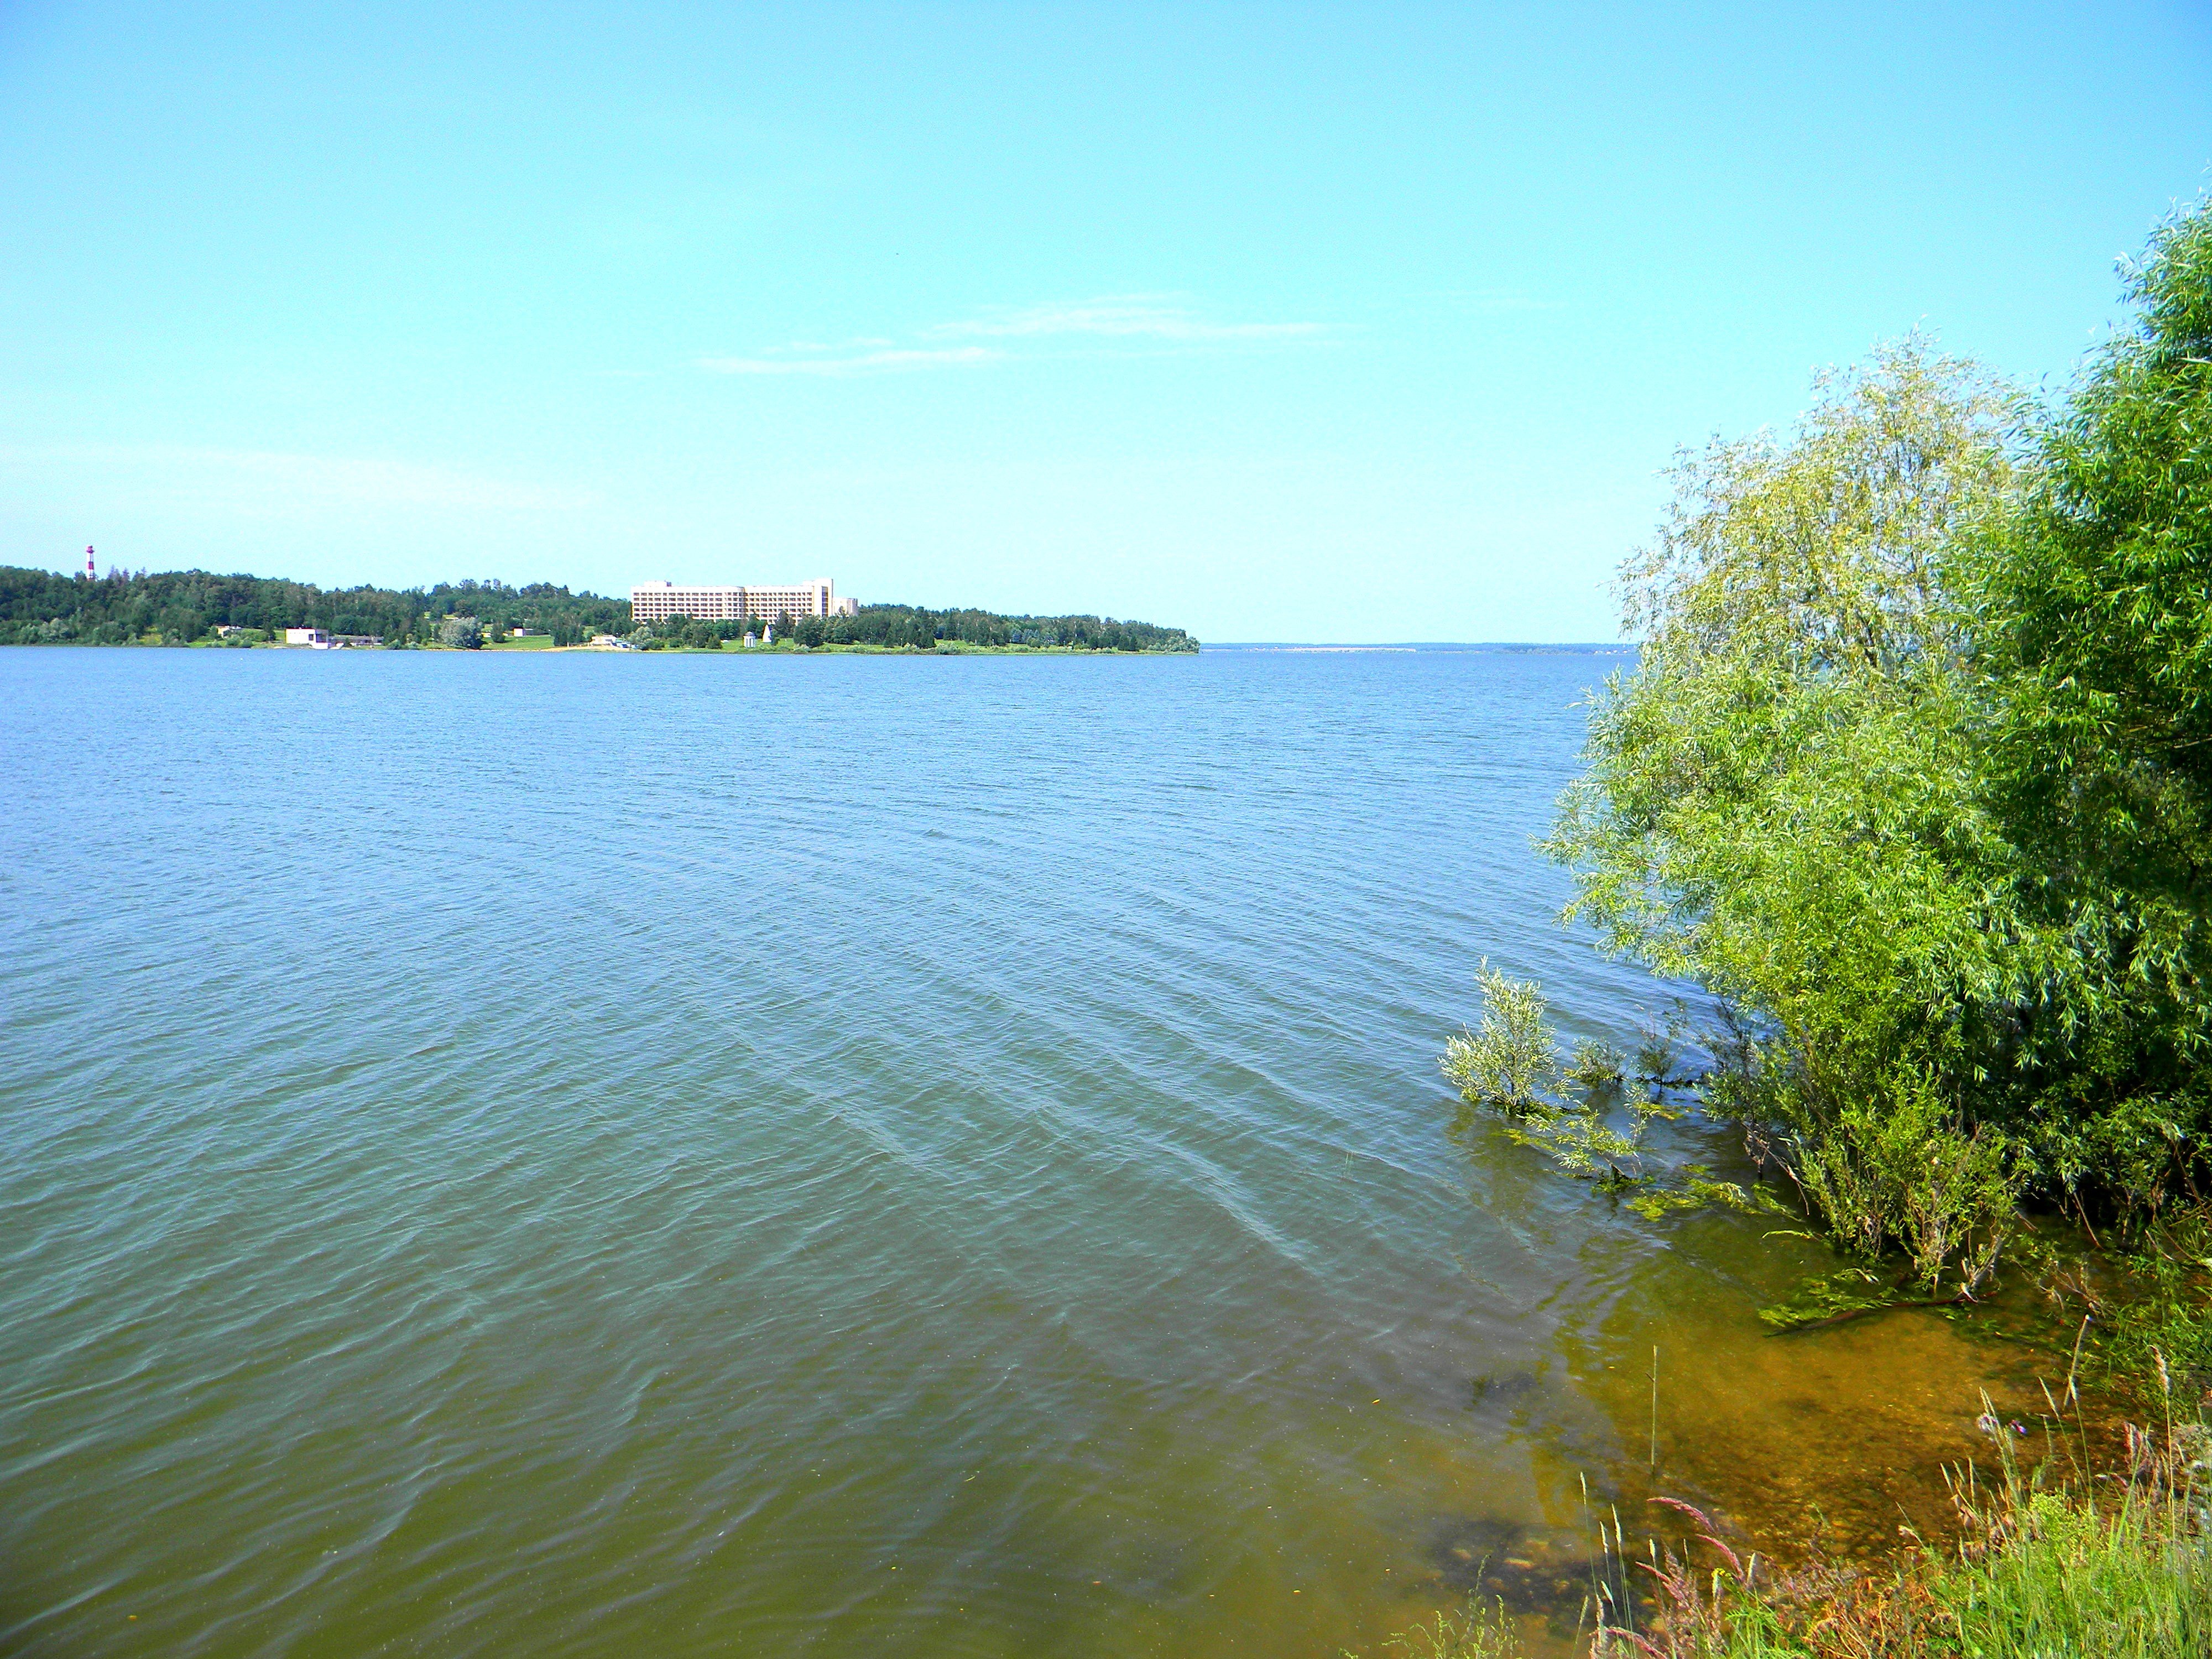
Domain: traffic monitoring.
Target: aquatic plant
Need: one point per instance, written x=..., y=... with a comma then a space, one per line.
x=2151, y=1296
x=1509, y=1059
x=1510, y=1062
x=1480, y=1630
x=1597, y=1065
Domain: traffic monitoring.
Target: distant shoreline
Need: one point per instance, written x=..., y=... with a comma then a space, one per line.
x=1614, y=648
x=183, y=607
x=510, y=648
x=942, y=648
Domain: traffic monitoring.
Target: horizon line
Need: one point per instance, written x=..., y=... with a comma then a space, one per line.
x=1418, y=645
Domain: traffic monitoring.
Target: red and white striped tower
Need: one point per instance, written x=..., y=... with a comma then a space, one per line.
x=89, y=574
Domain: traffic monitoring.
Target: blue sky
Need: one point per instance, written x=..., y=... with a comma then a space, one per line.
x=1346, y=322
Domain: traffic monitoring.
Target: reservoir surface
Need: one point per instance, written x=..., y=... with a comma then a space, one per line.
x=623, y=1155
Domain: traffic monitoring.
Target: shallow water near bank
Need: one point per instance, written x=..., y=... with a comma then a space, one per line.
x=587, y=1155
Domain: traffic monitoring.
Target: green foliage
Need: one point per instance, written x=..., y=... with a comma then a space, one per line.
x=1783, y=801
x=2148, y=1304
x=1825, y=1298
x=1658, y=1055
x=38, y=607
x=1894, y=1166
x=2098, y=631
x=1595, y=1066
x=1577, y=1114
x=1478, y=1631
x=899, y=627
x=2114, y=1566
x=1509, y=1059
x=2074, y=1582
x=461, y=633
x=1915, y=776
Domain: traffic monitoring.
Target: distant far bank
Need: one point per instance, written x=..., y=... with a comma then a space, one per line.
x=198, y=608
x=1599, y=649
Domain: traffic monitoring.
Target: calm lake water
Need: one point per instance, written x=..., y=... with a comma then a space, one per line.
x=595, y=1155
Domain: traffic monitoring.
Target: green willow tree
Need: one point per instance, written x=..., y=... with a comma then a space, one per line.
x=1915, y=776
x=1784, y=801
x=2097, y=629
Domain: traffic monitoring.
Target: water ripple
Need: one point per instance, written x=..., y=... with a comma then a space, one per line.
x=586, y=1156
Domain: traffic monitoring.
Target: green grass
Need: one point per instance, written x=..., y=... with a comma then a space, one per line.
x=534, y=642
x=2075, y=1580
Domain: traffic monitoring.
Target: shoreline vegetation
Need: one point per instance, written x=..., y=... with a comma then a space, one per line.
x=2062, y=1559
x=196, y=608
x=1912, y=784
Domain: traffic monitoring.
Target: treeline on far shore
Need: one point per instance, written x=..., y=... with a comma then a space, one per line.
x=182, y=607
x=891, y=627
x=189, y=607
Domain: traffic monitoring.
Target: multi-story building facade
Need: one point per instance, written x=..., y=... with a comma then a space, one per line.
x=650, y=602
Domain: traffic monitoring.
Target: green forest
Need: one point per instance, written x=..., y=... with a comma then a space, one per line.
x=187, y=607
x=38, y=607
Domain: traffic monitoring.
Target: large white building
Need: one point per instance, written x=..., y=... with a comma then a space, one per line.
x=658, y=601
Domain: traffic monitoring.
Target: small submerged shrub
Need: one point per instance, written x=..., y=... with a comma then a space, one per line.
x=1573, y=1113
x=1897, y=1164
x=1597, y=1065
x=1508, y=1059
x=1658, y=1059
x=1895, y=1167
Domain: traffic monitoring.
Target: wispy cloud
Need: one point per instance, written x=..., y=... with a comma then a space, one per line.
x=1161, y=320
x=1121, y=316
x=886, y=361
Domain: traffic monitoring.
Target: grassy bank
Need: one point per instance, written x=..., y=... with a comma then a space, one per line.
x=2055, y=1556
